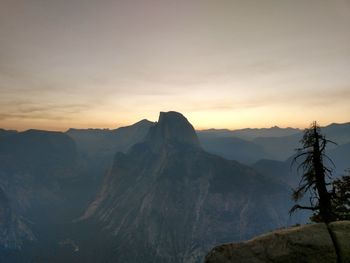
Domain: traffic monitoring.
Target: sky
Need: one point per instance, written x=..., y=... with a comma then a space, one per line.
x=222, y=63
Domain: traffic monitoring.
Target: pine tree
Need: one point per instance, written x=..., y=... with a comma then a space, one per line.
x=341, y=198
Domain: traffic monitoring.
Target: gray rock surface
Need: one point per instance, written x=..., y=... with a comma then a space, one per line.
x=308, y=243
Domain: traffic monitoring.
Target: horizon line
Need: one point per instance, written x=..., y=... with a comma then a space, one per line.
x=197, y=129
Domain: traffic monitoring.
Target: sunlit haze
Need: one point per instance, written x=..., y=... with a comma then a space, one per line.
x=223, y=63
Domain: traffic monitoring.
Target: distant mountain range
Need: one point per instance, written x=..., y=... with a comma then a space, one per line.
x=104, y=141
x=279, y=144
x=250, y=133
x=149, y=192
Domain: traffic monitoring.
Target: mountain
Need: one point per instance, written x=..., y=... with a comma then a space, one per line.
x=286, y=171
x=274, y=143
x=281, y=171
x=233, y=148
x=38, y=152
x=99, y=141
x=279, y=148
x=38, y=174
x=4, y=132
x=309, y=243
x=250, y=133
x=252, y=150
x=97, y=147
x=337, y=132
x=341, y=158
x=167, y=200
x=13, y=231
x=251, y=145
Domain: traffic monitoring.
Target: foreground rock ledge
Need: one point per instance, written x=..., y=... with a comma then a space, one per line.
x=308, y=243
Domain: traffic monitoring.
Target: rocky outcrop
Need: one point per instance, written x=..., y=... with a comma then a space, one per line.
x=308, y=243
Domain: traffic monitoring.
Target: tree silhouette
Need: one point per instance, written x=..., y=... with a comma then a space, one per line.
x=315, y=175
x=341, y=197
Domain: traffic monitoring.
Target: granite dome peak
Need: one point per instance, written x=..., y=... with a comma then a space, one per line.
x=172, y=127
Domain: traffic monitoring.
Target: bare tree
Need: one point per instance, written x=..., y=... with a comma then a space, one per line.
x=315, y=175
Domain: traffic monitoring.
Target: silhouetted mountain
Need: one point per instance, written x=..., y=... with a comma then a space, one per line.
x=287, y=171
x=233, y=148
x=278, y=170
x=37, y=171
x=341, y=158
x=6, y=132
x=41, y=153
x=251, y=145
x=339, y=133
x=249, y=133
x=279, y=148
x=170, y=201
x=98, y=146
x=266, y=145
x=102, y=141
x=172, y=128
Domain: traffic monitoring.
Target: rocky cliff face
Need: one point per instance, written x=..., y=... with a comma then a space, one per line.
x=309, y=243
x=171, y=201
x=34, y=165
x=13, y=231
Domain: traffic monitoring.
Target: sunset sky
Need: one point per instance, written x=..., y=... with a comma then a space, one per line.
x=222, y=63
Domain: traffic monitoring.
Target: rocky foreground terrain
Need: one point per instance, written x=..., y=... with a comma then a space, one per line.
x=308, y=243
